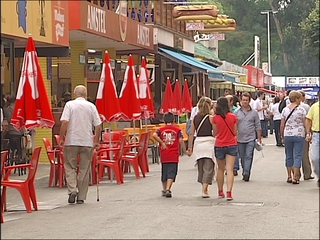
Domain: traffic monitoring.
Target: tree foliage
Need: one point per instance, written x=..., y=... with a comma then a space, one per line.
x=310, y=28
x=289, y=56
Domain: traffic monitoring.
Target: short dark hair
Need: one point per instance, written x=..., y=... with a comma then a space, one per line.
x=246, y=94
x=168, y=118
x=260, y=93
x=276, y=99
x=222, y=107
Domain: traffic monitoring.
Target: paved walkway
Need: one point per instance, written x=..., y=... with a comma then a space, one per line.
x=265, y=208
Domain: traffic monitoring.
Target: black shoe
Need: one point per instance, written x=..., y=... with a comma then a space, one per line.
x=246, y=178
x=235, y=173
x=80, y=201
x=163, y=193
x=72, y=197
x=168, y=194
x=279, y=145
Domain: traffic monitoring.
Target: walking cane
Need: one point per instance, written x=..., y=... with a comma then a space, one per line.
x=97, y=169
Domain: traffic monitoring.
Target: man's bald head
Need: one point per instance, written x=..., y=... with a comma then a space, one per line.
x=80, y=91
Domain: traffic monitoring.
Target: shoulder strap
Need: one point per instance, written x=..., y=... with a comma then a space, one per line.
x=228, y=125
x=202, y=121
x=290, y=115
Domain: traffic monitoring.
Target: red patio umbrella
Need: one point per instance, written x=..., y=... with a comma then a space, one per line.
x=107, y=100
x=176, y=110
x=186, y=103
x=146, y=100
x=32, y=107
x=129, y=95
x=167, y=99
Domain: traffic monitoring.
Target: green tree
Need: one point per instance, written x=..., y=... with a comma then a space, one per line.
x=310, y=28
x=288, y=54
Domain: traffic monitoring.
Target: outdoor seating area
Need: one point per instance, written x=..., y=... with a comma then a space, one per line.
x=26, y=188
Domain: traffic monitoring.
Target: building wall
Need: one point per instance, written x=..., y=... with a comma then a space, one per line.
x=43, y=132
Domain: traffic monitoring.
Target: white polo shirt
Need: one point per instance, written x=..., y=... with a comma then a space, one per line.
x=258, y=104
x=82, y=116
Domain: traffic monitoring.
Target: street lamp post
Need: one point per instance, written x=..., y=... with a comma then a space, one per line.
x=268, y=29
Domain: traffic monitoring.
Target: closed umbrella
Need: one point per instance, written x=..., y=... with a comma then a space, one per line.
x=176, y=110
x=146, y=100
x=186, y=103
x=32, y=107
x=167, y=101
x=129, y=95
x=107, y=101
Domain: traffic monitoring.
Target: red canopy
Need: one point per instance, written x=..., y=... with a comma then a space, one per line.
x=268, y=91
x=146, y=100
x=186, y=103
x=129, y=95
x=32, y=107
x=167, y=99
x=107, y=100
x=176, y=110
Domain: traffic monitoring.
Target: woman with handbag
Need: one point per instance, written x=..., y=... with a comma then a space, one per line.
x=293, y=135
x=226, y=148
x=203, y=144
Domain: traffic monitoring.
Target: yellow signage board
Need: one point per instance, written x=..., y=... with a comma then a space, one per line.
x=244, y=79
x=23, y=17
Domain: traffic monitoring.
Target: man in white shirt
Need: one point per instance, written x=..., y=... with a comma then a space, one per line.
x=78, y=118
x=306, y=165
x=260, y=108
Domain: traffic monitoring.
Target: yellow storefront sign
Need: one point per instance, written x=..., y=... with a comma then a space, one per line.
x=23, y=17
x=244, y=79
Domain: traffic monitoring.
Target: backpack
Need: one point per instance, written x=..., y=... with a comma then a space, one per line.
x=282, y=105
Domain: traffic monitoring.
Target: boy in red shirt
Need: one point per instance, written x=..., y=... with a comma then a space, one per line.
x=170, y=138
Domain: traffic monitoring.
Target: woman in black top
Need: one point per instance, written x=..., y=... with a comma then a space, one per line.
x=203, y=144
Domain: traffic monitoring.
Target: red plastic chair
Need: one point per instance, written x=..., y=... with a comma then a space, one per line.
x=57, y=138
x=4, y=158
x=26, y=188
x=136, y=159
x=105, y=160
x=54, y=165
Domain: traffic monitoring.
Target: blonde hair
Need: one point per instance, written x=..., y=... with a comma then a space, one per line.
x=204, y=106
x=294, y=95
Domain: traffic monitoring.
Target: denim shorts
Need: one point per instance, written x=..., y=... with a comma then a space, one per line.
x=221, y=152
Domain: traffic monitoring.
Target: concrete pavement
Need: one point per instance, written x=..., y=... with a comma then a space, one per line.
x=265, y=208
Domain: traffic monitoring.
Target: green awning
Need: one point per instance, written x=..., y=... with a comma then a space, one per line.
x=201, y=51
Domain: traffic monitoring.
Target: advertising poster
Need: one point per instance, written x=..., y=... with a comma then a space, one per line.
x=310, y=85
x=23, y=17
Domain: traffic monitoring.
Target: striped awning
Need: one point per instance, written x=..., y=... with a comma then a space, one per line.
x=220, y=85
x=243, y=87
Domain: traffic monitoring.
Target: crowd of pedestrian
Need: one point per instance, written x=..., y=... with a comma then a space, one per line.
x=225, y=133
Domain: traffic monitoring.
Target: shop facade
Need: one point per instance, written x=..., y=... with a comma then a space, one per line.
x=47, y=23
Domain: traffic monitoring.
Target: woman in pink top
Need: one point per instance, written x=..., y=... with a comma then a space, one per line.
x=226, y=149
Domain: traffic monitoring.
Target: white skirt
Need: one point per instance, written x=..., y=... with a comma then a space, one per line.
x=204, y=147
